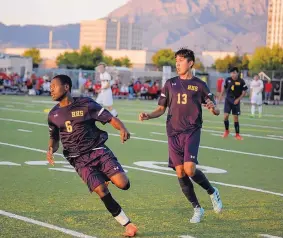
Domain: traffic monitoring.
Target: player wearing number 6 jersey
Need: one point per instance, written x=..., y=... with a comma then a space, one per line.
x=235, y=90
x=73, y=121
x=183, y=96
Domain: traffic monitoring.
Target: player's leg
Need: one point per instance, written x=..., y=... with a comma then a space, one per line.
x=95, y=180
x=108, y=102
x=176, y=160
x=227, y=111
x=115, y=209
x=259, y=105
x=253, y=104
x=191, y=145
x=113, y=170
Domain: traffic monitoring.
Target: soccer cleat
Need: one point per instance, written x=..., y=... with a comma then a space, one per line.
x=198, y=214
x=252, y=116
x=131, y=230
x=238, y=137
x=216, y=201
x=259, y=115
x=226, y=134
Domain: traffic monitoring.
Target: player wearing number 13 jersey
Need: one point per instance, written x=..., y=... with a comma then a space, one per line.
x=184, y=96
x=73, y=120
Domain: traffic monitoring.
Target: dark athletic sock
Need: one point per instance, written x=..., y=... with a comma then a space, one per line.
x=188, y=190
x=202, y=181
x=226, y=123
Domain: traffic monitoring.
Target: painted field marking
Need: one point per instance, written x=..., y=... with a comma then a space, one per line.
x=269, y=236
x=22, y=130
x=129, y=121
x=9, y=163
x=156, y=172
x=43, y=224
x=163, y=141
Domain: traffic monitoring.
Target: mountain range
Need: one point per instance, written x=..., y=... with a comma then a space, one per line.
x=221, y=25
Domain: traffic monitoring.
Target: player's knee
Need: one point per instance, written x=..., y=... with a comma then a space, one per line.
x=180, y=171
x=127, y=186
x=101, y=190
x=190, y=172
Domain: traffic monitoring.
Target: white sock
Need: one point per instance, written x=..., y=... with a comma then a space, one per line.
x=114, y=113
x=122, y=218
x=260, y=109
x=253, y=109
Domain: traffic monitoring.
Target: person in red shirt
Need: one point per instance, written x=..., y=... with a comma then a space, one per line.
x=152, y=91
x=219, y=85
x=267, y=92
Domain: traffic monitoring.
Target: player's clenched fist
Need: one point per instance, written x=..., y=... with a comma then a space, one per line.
x=143, y=116
x=49, y=156
x=124, y=135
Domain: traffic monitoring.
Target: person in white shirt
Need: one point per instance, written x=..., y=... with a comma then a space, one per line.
x=105, y=97
x=256, y=88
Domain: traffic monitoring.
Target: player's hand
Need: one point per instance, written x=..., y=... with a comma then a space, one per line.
x=49, y=156
x=236, y=101
x=209, y=104
x=124, y=135
x=143, y=116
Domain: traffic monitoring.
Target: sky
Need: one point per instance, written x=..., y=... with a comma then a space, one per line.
x=55, y=12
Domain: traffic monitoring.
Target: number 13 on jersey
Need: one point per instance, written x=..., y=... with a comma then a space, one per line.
x=68, y=126
x=182, y=98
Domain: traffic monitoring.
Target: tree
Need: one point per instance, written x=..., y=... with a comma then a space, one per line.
x=34, y=53
x=117, y=62
x=265, y=58
x=108, y=60
x=125, y=61
x=164, y=57
x=86, y=58
x=199, y=65
x=223, y=65
x=68, y=59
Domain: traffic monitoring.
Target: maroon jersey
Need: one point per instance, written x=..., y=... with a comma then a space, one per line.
x=184, y=100
x=75, y=126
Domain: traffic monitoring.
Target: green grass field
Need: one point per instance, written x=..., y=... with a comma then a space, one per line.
x=249, y=177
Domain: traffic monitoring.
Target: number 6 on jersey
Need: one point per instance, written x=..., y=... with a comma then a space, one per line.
x=68, y=126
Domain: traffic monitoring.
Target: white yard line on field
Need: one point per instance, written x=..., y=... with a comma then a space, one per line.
x=251, y=136
x=133, y=122
x=155, y=171
x=163, y=141
x=269, y=236
x=43, y=224
x=22, y=130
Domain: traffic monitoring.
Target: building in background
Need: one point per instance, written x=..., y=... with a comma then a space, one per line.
x=111, y=34
x=15, y=64
x=274, y=34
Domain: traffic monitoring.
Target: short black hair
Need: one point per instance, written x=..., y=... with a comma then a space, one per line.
x=186, y=53
x=64, y=79
x=232, y=69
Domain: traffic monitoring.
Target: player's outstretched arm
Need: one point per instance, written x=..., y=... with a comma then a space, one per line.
x=159, y=111
x=53, y=146
x=118, y=125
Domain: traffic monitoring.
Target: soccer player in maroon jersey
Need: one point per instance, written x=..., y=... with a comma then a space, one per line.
x=184, y=96
x=73, y=121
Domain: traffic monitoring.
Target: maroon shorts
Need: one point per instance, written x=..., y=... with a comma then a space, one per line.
x=102, y=165
x=184, y=148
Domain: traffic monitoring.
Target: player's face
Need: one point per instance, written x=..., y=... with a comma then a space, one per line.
x=57, y=89
x=101, y=68
x=182, y=65
x=255, y=77
x=234, y=75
